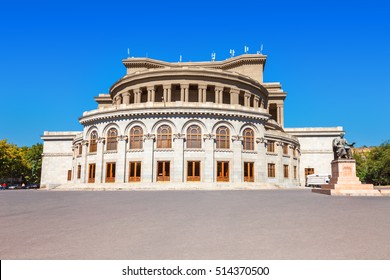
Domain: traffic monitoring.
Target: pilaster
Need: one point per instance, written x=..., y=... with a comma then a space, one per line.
x=261, y=163
x=237, y=159
x=99, y=160
x=126, y=97
x=120, y=173
x=234, y=94
x=209, y=164
x=84, y=161
x=147, y=164
x=178, y=165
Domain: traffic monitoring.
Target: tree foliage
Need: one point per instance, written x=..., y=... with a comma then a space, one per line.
x=20, y=163
x=373, y=166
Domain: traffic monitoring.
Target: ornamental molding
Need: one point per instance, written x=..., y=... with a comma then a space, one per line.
x=261, y=140
x=179, y=136
x=122, y=138
x=85, y=142
x=101, y=140
x=237, y=138
x=149, y=136
x=209, y=136
x=57, y=155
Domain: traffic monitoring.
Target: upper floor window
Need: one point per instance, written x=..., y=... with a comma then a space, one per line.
x=223, y=136
x=194, y=137
x=80, y=149
x=164, y=137
x=285, y=149
x=136, y=134
x=112, y=139
x=93, y=142
x=248, y=139
x=271, y=146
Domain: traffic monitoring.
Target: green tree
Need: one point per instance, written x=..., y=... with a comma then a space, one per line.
x=20, y=163
x=373, y=166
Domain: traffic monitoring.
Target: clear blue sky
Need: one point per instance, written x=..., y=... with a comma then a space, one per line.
x=331, y=57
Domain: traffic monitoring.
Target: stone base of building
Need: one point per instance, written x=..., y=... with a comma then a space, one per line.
x=345, y=182
x=165, y=186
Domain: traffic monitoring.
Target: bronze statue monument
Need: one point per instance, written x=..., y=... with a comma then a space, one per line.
x=341, y=148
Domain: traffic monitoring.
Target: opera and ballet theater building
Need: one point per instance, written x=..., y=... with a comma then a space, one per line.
x=188, y=124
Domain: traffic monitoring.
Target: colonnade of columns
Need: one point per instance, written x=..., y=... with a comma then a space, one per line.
x=134, y=95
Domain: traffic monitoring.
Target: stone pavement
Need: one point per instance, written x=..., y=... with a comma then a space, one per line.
x=261, y=224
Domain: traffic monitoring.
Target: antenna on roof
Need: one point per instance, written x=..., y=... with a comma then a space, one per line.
x=213, y=56
x=246, y=49
x=128, y=52
x=180, y=58
x=231, y=53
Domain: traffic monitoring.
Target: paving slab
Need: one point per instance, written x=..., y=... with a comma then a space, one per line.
x=239, y=224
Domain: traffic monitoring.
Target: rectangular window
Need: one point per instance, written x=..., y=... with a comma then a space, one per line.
x=222, y=171
x=193, y=171
x=110, y=172
x=249, y=172
x=309, y=171
x=80, y=149
x=78, y=171
x=69, y=175
x=163, y=171
x=295, y=172
x=285, y=149
x=91, y=173
x=271, y=146
x=134, y=171
x=271, y=170
x=285, y=171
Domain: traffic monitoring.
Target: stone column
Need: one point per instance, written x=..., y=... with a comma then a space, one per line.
x=218, y=95
x=148, y=161
x=120, y=173
x=282, y=115
x=279, y=162
x=126, y=97
x=247, y=99
x=151, y=93
x=99, y=160
x=167, y=93
x=184, y=92
x=208, y=171
x=117, y=100
x=84, y=165
x=237, y=159
x=202, y=93
x=261, y=170
x=234, y=94
x=256, y=102
x=178, y=165
x=137, y=95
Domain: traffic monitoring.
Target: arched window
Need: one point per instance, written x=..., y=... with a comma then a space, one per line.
x=111, y=139
x=93, y=142
x=223, y=136
x=164, y=137
x=136, y=134
x=248, y=139
x=194, y=137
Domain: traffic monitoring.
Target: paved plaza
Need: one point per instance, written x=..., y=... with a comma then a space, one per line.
x=264, y=224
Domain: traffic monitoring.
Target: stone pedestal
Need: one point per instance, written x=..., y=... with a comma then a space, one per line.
x=345, y=182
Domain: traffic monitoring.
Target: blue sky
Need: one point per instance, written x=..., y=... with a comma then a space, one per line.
x=331, y=57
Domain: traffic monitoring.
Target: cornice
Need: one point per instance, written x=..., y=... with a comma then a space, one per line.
x=176, y=111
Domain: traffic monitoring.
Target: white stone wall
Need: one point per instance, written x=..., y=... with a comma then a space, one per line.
x=57, y=158
x=316, y=148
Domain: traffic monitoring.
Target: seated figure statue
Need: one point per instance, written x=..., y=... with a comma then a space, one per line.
x=341, y=148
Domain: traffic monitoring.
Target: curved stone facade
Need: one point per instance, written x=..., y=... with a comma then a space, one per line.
x=204, y=123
